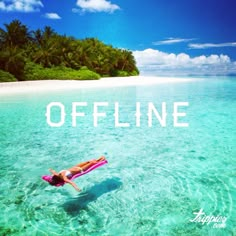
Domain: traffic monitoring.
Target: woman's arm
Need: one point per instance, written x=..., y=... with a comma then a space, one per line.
x=74, y=185
x=71, y=183
x=53, y=172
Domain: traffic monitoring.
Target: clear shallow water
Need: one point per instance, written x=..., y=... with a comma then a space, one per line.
x=156, y=177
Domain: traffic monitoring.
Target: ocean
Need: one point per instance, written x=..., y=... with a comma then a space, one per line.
x=158, y=181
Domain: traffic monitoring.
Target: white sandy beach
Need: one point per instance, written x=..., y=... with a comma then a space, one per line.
x=58, y=85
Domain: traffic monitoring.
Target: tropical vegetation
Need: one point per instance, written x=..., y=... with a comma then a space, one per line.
x=6, y=77
x=44, y=54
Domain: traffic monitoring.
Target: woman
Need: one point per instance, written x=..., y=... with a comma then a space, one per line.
x=66, y=175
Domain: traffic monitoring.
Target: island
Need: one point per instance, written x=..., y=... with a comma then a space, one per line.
x=43, y=54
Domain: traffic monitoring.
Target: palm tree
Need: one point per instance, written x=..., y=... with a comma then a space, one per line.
x=15, y=35
x=47, y=55
x=48, y=32
x=66, y=50
x=12, y=60
x=38, y=37
x=45, y=49
x=82, y=52
x=126, y=61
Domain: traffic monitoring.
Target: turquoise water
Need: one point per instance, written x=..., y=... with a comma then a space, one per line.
x=155, y=179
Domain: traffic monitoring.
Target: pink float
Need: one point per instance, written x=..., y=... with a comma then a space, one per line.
x=48, y=178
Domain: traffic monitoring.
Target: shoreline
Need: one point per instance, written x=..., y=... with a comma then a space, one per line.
x=60, y=85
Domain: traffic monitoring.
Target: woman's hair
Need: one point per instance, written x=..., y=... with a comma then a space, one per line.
x=55, y=180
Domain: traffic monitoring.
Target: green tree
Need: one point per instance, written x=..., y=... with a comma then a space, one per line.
x=47, y=54
x=48, y=49
x=15, y=34
x=12, y=60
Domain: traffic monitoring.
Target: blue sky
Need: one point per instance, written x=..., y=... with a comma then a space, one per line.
x=166, y=36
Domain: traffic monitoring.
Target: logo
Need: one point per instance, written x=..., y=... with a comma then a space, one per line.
x=217, y=221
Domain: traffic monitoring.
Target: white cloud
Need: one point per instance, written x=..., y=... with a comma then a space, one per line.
x=53, y=16
x=156, y=62
x=78, y=11
x=75, y=10
x=21, y=5
x=171, y=41
x=211, y=45
x=97, y=6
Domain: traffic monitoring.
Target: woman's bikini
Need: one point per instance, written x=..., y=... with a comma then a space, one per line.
x=68, y=174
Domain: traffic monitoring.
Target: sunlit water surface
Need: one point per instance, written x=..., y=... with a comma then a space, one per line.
x=156, y=178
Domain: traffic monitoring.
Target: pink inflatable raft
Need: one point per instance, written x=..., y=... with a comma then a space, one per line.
x=48, y=178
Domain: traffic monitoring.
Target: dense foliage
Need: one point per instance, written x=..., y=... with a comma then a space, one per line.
x=44, y=54
x=38, y=72
x=6, y=77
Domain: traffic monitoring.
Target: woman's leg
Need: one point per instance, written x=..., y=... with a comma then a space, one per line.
x=83, y=163
x=86, y=165
x=102, y=158
x=92, y=161
x=82, y=168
